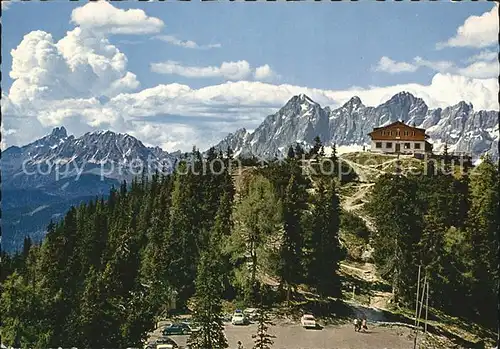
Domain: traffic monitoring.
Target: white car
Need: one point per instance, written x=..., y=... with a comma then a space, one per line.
x=250, y=313
x=308, y=321
x=238, y=319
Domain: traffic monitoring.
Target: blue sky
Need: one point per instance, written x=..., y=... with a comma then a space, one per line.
x=326, y=49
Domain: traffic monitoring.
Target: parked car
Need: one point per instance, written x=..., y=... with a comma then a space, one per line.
x=191, y=326
x=308, y=321
x=165, y=346
x=179, y=328
x=250, y=313
x=239, y=319
x=162, y=343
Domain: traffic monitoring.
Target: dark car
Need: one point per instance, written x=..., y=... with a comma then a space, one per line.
x=177, y=328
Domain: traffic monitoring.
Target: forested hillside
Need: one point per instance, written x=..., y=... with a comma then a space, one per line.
x=449, y=226
x=110, y=269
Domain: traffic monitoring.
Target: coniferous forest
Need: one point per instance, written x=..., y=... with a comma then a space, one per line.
x=110, y=269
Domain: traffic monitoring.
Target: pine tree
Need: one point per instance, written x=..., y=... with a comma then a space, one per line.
x=291, y=153
x=299, y=151
x=394, y=210
x=209, y=291
x=316, y=147
x=93, y=327
x=184, y=235
x=333, y=156
x=26, y=247
x=290, y=268
x=262, y=339
x=482, y=230
x=325, y=251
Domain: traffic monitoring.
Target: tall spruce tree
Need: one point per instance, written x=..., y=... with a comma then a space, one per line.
x=324, y=246
x=395, y=213
x=316, y=147
x=482, y=231
x=291, y=153
x=290, y=269
x=209, y=291
x=184, y=234
x=263, y=339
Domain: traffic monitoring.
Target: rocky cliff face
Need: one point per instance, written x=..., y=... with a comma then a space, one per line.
x=302, y=119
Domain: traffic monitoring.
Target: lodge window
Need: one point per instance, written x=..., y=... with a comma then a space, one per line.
x=383, y=133
x=378, y=145
x=405, y=133
x=392, y=133
x=407, y=146
x=413, y=133
x=388, y=145
x=417, y=145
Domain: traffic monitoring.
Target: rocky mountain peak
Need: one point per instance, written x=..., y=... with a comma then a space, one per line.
x=301, y=101
x=303, y=98
x=353, y=104
x=464, y=106
x=59, y=132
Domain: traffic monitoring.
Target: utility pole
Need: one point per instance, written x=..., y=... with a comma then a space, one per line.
x=422, y=300
x=416, y=300
x=426, y=307
x=416, y=309
x=419, y=312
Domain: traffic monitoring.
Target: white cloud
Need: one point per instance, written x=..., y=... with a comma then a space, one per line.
x=173, y=40
x=5, y=132
x=478, y=69
x=389, y=66
x=80, y=65
x=477, y=31
x=485, y=55
x=440, y=66
x=177, y=116
x=481, y=70
x=104, y=17
x=228, y=70
x=264, y=73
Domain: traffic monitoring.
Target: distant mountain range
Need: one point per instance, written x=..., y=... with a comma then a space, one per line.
x=41, y=180
x=302, y=119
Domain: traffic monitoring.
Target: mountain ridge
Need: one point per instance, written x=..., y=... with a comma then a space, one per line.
x=47, y=193
x=462, y=128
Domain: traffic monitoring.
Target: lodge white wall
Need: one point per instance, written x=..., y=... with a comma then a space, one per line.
x=392, y=148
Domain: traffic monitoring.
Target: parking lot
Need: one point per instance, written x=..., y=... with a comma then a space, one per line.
x=293, y=336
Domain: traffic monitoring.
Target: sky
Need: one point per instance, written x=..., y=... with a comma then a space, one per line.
x=178, y=74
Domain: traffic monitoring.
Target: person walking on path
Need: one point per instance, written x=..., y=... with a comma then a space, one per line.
x=356, y=325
